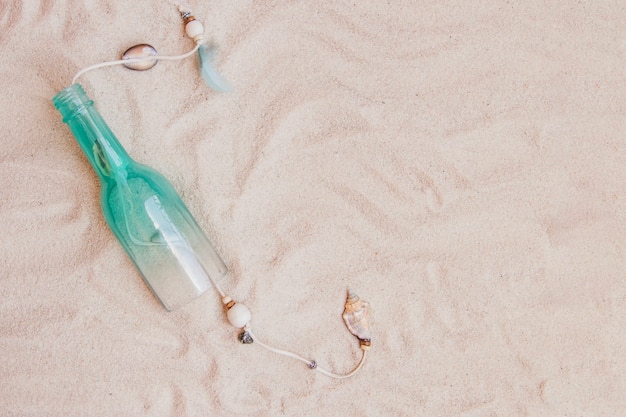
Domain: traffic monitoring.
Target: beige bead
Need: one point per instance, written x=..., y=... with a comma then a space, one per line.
x=194, y=30
x=239, y=315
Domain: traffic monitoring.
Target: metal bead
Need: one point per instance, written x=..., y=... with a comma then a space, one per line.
x=245, y=338
x=143, y=50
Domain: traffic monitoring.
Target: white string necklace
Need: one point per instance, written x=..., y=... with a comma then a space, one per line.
x=356, y=311
x=194, y=30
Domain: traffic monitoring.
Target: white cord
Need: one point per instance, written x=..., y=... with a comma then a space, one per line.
x=310, y=363
x=349, y=374
x=279, y=351
x=131, y=60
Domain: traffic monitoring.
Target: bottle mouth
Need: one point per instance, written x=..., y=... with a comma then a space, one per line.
x=71, y=101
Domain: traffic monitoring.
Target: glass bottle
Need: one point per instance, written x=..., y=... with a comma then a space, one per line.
x=143, y=210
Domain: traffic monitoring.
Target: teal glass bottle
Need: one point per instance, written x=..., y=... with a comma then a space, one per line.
x=146, y=214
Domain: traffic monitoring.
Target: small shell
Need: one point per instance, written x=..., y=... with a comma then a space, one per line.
x=143, y=50
x=356, y=315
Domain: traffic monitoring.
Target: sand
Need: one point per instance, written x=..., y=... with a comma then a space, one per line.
x=460, y=166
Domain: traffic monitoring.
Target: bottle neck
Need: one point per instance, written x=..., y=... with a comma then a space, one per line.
x=99, y=144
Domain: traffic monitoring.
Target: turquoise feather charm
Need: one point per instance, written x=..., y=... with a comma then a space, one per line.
x=206, y=53
x=206, y=58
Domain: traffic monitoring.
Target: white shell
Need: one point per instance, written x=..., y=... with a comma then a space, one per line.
x=143, y=50
x=239, y=315
x=356, y=315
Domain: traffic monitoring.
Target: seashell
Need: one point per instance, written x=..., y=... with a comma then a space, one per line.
x=356, y=315
x=143, y=50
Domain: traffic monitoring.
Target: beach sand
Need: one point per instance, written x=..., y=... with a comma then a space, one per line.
x=460, y=167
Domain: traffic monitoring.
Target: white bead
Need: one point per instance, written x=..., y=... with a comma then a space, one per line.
x=239, y=315
x=194, y=29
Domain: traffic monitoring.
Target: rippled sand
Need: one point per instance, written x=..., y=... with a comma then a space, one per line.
x=461, y=167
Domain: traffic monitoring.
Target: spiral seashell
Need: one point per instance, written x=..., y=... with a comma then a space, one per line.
x=356, y=316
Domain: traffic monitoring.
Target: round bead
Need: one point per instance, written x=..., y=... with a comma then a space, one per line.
x=239, y=315
x=194, y=29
